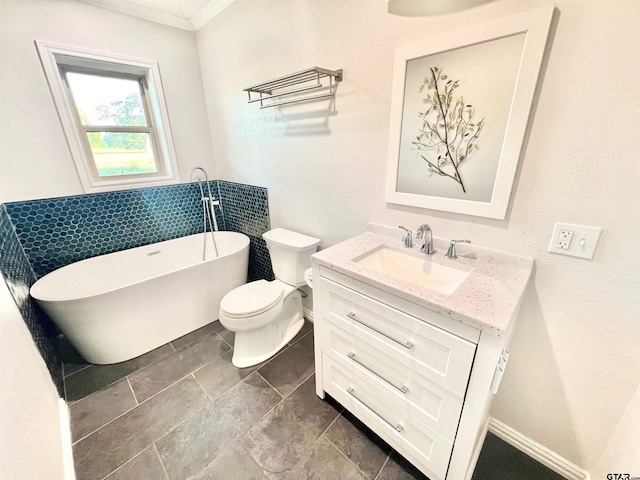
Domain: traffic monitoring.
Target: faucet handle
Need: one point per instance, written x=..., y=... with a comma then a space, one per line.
x=451, y=253
x=408, y=238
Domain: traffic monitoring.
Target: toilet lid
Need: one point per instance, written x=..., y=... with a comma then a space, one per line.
x=251, y=299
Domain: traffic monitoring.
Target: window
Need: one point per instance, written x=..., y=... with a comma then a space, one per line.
x=114, y=117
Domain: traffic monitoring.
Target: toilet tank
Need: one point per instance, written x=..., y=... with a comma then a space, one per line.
x=290, y=254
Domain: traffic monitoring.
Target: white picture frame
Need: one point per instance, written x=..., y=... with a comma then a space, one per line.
x=497, y=65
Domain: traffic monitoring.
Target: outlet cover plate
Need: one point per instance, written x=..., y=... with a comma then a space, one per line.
x=564, y=239
x=582, y=244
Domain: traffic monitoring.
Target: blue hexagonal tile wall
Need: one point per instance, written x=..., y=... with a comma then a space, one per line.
x=246, y=210
x=59, y=231
x=19, y=276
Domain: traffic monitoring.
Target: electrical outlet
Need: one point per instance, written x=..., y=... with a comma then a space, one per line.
x=564, y=239
x=574, y=240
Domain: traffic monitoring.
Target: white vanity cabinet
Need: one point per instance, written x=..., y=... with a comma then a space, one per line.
x=417, y=378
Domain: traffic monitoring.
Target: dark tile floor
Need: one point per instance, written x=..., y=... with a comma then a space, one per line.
x=183, y=411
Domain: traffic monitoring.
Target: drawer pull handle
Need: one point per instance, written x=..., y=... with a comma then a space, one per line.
x=407, y=345
x=402, y=388
x=397, y=428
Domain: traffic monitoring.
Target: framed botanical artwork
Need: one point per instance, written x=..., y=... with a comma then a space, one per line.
x=459, y=112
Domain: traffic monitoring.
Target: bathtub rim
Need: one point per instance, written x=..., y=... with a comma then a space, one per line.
x=45, y=298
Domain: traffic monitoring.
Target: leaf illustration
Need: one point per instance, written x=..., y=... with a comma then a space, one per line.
x=448, y=131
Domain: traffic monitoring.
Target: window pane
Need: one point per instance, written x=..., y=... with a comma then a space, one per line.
x=117, y=153
x=107, y=100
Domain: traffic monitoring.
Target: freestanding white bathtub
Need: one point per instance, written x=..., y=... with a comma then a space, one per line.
x=118, y=306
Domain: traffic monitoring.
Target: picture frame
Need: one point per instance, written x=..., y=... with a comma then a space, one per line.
x=459, y=112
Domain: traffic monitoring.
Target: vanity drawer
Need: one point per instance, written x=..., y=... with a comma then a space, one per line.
x=437, y=407
x=390, y=419
x=442, y=357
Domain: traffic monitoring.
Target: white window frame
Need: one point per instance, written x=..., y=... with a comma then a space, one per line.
x=55, y=57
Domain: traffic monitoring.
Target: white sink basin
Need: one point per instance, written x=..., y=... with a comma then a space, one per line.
x=414, y=269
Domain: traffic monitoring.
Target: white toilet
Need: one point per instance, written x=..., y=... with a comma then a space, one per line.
x=266, y=315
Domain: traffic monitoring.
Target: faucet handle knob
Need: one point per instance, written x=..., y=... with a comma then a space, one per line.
x=451, y=253
x=408, y=238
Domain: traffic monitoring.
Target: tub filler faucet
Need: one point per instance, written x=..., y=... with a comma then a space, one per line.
x=208, y=210
x=425, y=233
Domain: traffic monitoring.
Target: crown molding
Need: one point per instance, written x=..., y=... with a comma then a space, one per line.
x=197, y=21
x=210, y=10
x=130, y=8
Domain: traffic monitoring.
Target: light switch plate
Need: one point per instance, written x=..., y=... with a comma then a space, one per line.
x=583, y=240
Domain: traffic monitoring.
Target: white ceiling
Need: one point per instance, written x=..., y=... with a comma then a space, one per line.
x=186, y=14
x=194, y=14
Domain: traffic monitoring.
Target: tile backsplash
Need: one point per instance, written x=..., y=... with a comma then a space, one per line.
x=246, y=210
x=58, y=231
x=19, y=276
x=39, y=236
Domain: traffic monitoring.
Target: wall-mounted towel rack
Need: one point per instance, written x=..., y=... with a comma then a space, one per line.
x=294, y=83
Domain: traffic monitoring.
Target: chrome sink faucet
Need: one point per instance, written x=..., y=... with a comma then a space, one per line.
x=408, y=238
x=427, y=243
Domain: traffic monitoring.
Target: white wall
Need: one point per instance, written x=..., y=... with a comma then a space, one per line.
x=574, y=375
x=30, y=432
x=34, y=158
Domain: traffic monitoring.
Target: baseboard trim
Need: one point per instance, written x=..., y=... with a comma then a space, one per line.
x=538, y=452
x=308, y=314
x=65, y=436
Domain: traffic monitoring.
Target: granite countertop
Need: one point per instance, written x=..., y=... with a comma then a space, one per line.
x=488, y=299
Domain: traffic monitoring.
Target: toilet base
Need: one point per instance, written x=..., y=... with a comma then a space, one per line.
x=255, y=346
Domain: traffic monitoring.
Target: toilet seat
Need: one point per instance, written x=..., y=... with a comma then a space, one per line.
x=251, y=299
